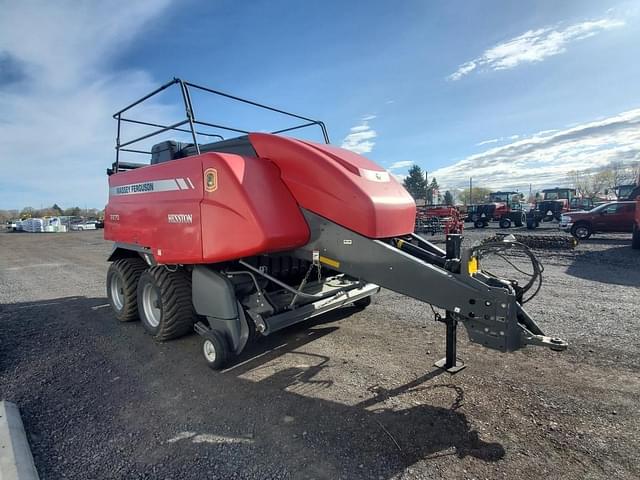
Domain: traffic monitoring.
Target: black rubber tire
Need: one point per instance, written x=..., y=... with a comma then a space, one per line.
x=363, y=302
x=173, y=293
x=520, y=220
x=479, y=224
x=577, y=230
x=531, y=224
x=216, y=343
x=129, y=271
x=635, y=237
x=505, y=223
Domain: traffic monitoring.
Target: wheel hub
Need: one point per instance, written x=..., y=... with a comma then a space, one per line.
x=116, y=288
x=209, y=351
x=151, y=305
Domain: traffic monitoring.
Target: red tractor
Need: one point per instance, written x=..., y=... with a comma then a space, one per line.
x=438, y=219
x=503, y=207
x=239, y=238
x=554, y=203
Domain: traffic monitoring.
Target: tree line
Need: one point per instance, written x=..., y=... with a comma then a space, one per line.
x=588, y=184
x=54, y=211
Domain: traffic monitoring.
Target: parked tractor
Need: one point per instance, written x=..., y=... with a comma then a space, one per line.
x=503, y=207
x=555, y=202
x=438, y=219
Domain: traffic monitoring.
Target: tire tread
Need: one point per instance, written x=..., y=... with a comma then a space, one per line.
x=177, y=307
x=130, y=269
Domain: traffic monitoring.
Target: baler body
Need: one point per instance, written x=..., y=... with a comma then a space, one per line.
x=253, y=207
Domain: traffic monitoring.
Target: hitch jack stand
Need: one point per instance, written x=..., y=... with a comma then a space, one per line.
x=450, y=363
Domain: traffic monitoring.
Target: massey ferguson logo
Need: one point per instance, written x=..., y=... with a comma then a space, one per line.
x=180, y=218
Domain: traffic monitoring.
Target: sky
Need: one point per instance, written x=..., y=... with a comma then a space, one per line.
x=514, y=94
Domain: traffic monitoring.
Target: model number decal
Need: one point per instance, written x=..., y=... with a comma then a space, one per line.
x=180, y=218
x=114, y=217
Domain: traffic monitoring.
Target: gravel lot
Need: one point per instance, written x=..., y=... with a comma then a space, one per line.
x=350, y=395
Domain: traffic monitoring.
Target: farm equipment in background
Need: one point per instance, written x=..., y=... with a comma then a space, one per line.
x=554, y=203
x=438, y=219
x=503, y=207
x=625, y=192
x=242, y=237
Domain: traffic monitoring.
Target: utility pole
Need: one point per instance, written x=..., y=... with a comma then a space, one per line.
x=470, y=190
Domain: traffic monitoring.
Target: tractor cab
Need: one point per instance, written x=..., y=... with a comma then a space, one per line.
x=626, y=192
x=559, y=194
x=512, y=200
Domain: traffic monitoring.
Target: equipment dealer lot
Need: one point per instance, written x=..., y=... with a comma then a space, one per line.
x=352, y=394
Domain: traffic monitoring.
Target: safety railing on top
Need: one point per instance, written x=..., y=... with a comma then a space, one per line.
x=192, y=121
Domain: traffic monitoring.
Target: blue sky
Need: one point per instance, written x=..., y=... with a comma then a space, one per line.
x=511, y=92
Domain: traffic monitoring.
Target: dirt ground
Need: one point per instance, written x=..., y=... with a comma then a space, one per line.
x=350, y=395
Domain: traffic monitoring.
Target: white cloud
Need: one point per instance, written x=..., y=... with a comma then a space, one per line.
x=544, y=159
x=487, y=142
x=497, y=140
x=401, y=164
x=57, y=134
x=534, y=46
x=360, y=140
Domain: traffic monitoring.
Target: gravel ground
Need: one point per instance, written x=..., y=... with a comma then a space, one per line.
x=350, y=395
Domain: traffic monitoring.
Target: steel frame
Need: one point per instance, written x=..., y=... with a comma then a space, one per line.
x=192, y=121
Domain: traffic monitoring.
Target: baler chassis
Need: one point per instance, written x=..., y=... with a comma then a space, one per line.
x=231, y=300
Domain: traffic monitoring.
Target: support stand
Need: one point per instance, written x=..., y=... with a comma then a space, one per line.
x=450, y=363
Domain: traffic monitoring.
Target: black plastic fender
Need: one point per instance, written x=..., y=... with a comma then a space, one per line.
x=214, y=297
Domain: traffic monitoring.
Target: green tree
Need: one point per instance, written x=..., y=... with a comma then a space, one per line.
x=416, y=182
x=448, y=198
x=433, y=192
x=479, y=195
x=73, y=212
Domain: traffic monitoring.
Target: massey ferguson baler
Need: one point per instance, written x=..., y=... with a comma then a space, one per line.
x=242, y=237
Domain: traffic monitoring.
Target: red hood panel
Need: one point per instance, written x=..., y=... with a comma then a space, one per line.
x=340, y=185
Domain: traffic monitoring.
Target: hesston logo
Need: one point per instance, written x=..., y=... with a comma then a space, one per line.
x=180, y=218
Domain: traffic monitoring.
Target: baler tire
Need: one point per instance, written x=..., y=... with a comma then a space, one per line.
x=505, y=222
x=363, y=302
x=215, y=350
x=164, y=302
x=479, y=224
x=128, y=271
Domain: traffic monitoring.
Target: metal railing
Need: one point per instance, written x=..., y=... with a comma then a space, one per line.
x=192, y=121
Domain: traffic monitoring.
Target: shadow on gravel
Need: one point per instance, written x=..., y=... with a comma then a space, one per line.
x=155, y=410
x=618, y=266
x=597, y=240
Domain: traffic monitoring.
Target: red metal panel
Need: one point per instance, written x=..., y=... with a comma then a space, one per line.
x=340, y=185
x=250, y=212
x=167, y=208
x=141, y=201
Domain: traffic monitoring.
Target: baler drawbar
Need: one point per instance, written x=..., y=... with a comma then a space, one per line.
x=242, y=237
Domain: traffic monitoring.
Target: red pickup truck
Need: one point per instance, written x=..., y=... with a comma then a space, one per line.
x=609, y=217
